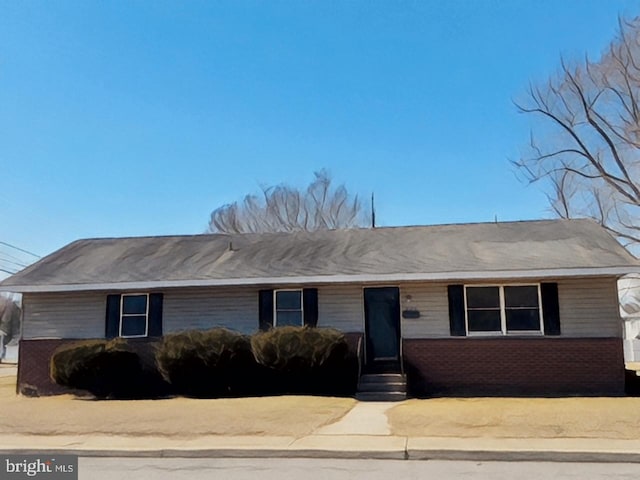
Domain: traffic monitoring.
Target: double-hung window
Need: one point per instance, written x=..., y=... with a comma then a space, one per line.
x=288, y=308
x=503, y=309
x=134, y=315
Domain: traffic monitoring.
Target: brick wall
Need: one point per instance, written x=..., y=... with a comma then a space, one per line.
x=514, y=366
x=449, y=367
x=352, y=339
x=33, y=367
x=35, y=357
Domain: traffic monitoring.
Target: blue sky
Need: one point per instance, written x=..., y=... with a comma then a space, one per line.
x=140, y=117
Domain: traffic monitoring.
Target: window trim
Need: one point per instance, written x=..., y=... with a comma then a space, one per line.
x=275, y=305
x=503, y=312
x=124, y=315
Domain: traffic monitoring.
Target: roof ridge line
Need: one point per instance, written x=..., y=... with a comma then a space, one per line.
x=351, y=229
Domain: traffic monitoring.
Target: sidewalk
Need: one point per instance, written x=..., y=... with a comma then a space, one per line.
x=361, y=433
x=8, y=369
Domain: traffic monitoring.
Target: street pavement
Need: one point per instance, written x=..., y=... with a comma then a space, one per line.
x=339, y=469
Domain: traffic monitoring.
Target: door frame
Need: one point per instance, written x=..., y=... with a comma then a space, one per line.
x=365, y=361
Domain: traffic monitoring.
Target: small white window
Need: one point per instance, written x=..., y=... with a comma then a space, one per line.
x=288, y=308
x=483, y=309
x=134, y=315
x=503, y=309
x=522, y=308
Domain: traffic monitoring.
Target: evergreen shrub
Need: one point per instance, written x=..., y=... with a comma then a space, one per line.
x=106, y=368
x=305, y=360
x=211, y=363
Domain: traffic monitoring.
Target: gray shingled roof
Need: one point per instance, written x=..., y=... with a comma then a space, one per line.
x=545, y=248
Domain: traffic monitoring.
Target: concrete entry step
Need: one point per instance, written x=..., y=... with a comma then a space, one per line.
x=383, y=387
x=383, y=378
x=381, y=396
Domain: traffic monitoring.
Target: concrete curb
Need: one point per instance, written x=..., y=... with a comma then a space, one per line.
x=346, y=446
x=525, y=456
x=458, y=455
x=214, y=453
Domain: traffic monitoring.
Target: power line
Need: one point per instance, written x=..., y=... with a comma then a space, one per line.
x=12, y=257
x=7, y=271
x=20, y=249
x=18, y=264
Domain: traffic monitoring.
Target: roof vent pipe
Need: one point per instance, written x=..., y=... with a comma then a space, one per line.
x=373, y=212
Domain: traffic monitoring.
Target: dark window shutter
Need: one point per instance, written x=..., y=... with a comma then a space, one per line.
x=456, y=310
x=310, y=306
x=155, y=315
x=113, y=316
x=550, y=308
x=265, y=309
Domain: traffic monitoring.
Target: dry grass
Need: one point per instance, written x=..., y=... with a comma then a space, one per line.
x=518, y=418
x=181, y=417
x=297, y=416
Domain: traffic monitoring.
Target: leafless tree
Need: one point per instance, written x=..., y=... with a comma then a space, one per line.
x=282, y=208
x=590, y=149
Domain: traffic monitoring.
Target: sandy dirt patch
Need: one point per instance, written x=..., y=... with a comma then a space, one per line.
x=518, y=417
x=287, y=415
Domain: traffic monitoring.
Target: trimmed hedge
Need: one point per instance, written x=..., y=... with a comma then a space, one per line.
x=211, y=363
x=106, y=368
x=306, y=360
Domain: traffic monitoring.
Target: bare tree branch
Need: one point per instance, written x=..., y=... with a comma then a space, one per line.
x=589, y=123
x=282, y=208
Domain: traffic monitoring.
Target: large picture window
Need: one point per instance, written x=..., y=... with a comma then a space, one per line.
x=503, y=309
x=134, y=315
x=288, y=309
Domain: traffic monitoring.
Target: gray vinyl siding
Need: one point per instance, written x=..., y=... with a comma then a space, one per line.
x=341, y=307
x=588, y=308
x=64, y=315
x=234, y=308
x=431, y=300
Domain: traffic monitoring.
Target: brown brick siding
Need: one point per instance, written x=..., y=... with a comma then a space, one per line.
x=35, y=357
x=450, y=367
x=514, y=366
x=33, y=367
x=352, y=340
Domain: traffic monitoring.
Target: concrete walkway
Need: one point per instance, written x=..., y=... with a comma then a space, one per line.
x=366, y=418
